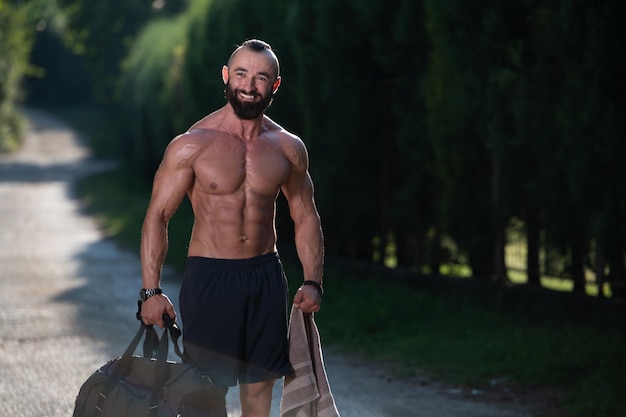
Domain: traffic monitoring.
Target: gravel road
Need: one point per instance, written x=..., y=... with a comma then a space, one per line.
x=68, y=297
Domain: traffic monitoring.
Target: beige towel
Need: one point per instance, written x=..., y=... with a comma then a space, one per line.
x=306, y=392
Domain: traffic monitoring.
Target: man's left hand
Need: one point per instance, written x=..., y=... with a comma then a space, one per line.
x=307, y=299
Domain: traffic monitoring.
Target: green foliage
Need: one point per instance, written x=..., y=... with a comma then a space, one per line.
x=62, y=78
x=16, y=38
x=353, y=101
x=509, y=111
x=570, y=87
x=468, y=91
x=150, y=92
x=103, y=31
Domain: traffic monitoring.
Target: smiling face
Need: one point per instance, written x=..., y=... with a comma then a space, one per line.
x=251, y=80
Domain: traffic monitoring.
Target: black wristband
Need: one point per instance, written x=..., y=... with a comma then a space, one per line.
x=314, y=284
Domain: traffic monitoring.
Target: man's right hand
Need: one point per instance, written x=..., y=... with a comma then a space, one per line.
x=153, y=308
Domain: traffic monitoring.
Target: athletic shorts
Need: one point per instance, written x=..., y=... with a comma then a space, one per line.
x=234, y=314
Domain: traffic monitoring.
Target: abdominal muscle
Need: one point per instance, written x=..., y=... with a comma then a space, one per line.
x=238, y=226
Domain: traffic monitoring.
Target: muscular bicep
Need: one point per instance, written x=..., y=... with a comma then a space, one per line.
x=298, y=188
x=299, y=194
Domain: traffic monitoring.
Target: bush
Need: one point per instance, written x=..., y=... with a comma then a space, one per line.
x=16, y=41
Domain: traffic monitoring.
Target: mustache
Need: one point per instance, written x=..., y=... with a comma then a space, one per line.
x=249, y=93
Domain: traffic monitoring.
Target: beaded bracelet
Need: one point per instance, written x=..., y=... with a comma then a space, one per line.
x=316, y=285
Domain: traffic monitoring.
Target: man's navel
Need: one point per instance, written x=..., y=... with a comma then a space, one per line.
x=243, y=238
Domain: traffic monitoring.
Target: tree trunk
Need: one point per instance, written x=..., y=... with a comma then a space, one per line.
x=598, y=268
x=533, y=247
x=499, y=244
x=481, y=261
x=577, y=264
x=617, y=270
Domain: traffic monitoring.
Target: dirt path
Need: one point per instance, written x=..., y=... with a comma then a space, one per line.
x=68, y=297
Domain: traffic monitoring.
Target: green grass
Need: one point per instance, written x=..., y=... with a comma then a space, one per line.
x=473, y=339
x=455, y=332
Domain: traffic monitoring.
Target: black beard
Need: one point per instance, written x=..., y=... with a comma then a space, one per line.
x=247, y=111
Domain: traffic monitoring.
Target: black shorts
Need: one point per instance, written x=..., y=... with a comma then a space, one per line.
x=234, y=314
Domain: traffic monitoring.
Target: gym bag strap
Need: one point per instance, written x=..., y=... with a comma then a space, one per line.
x=151, y=349
x=150, y=386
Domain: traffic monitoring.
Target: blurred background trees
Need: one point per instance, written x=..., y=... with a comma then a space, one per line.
x=16, y=40
x=441, y=132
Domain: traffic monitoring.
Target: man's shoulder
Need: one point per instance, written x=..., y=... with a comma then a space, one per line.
x=292, y=146
x=278, y=132
x=189, y=144
x=202, y=131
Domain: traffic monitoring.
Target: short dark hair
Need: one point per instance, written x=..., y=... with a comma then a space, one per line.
x=257, y=45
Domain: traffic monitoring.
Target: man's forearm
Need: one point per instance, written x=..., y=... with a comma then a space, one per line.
x=153, y=250
x=310, y=247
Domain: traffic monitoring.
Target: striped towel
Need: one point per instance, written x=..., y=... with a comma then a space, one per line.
x=306, y=392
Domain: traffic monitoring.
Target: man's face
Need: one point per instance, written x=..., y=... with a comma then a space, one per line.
x=250, y=83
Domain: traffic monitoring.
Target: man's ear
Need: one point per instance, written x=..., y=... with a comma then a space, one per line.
x=225, y=74
x=276, y=85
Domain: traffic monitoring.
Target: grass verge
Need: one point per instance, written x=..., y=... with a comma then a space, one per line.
x=472, y=338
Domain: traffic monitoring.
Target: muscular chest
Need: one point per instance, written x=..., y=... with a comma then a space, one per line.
x=228, y=166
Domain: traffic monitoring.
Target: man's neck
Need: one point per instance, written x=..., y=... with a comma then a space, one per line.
x=245, y=129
